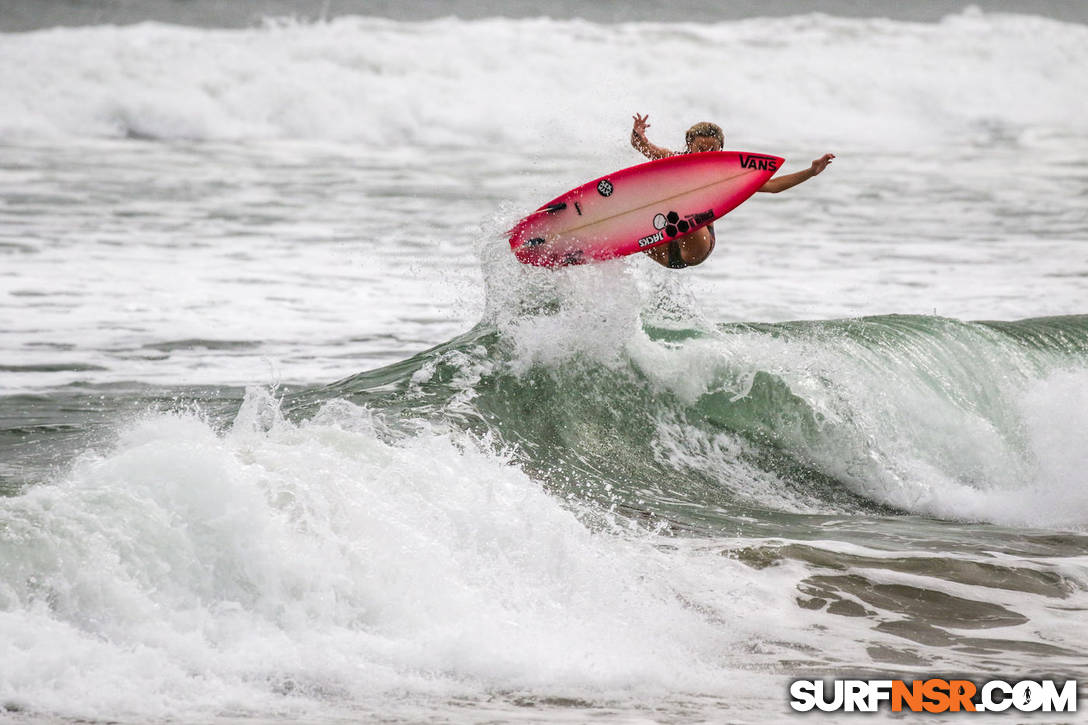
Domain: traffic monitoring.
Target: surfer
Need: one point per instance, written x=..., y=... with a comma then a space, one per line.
x=694, y=248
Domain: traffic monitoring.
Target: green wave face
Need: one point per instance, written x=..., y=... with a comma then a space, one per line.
x=746, y=425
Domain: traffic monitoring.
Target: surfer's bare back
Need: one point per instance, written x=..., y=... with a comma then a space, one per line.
x=694, y=248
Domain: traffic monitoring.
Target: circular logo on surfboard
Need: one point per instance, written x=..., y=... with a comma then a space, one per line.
x=604, y=187
x=672, y=224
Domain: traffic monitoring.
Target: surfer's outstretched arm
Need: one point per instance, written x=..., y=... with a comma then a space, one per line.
x=781, y=183
x=642, y=144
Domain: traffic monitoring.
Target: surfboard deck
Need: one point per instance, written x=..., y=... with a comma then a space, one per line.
x=639, y=207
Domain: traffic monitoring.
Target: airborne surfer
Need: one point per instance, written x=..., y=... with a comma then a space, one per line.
x=694, y=248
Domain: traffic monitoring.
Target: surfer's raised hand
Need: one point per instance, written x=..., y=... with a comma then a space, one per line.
x=788, y=181
x=821, y=163
x=642, y=144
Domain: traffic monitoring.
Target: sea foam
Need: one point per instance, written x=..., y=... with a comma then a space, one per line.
x=272, y=565
x=534, y=83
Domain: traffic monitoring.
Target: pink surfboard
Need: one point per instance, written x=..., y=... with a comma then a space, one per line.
x=639, y=207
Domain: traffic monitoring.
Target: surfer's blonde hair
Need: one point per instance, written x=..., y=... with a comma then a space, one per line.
x=704, y=128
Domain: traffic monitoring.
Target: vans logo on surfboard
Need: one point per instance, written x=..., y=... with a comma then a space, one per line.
x=763, y=163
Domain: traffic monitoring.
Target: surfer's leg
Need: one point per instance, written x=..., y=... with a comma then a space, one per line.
x=661, y=253
x=696, y=247
x=686, y=251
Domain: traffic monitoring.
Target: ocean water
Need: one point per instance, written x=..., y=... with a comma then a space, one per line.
x=287, y=434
